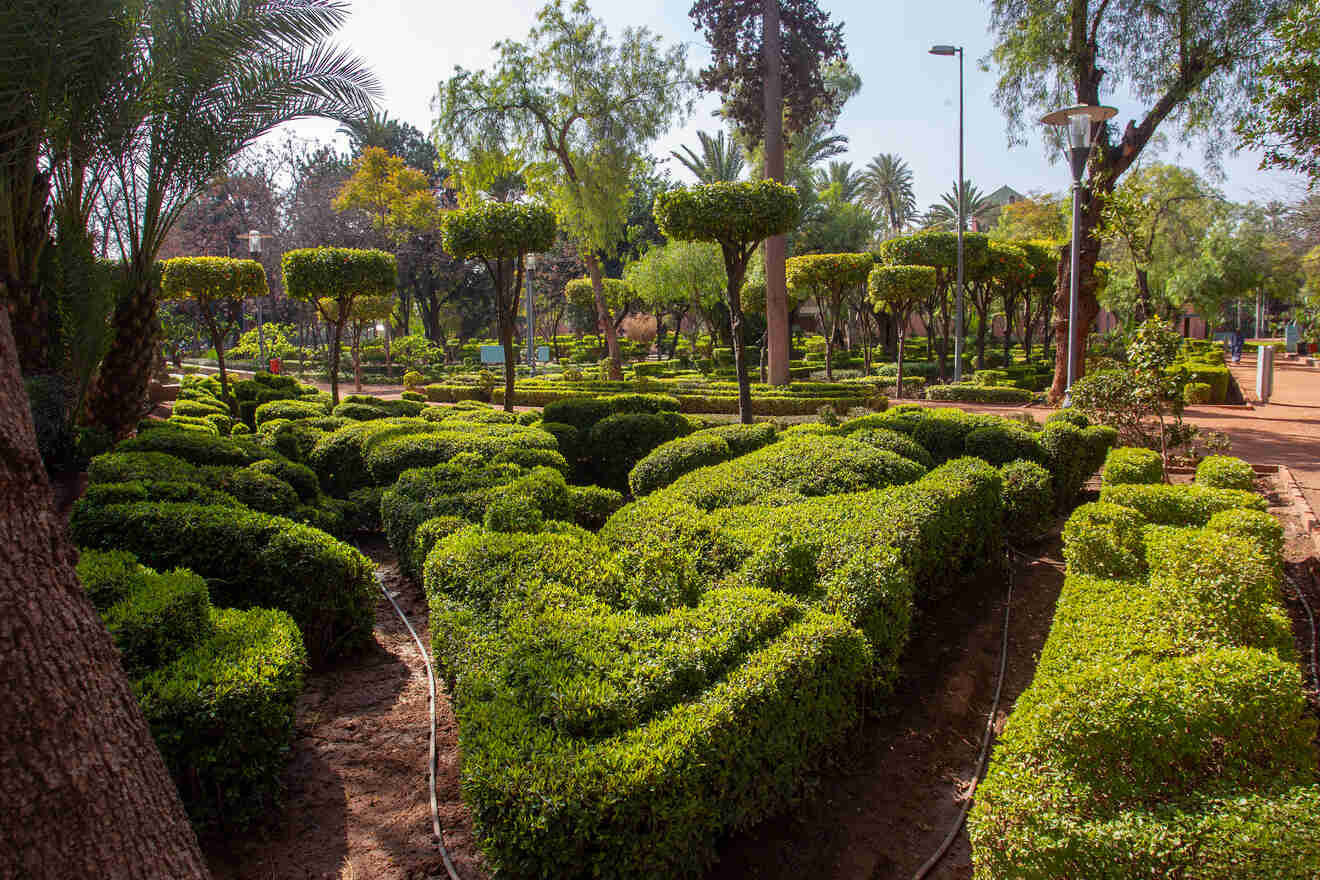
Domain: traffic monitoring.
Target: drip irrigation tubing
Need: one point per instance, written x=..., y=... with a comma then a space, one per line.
x=1315, y=635
x=939, y=854
x=430, y=680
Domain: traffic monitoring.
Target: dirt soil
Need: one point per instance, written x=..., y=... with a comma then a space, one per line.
x=355, y=805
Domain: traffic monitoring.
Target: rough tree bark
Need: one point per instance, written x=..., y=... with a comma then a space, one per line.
x=603, y=315
x=121, y=387
x=83, y=790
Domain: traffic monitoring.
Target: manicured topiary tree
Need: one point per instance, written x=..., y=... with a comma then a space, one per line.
x=619, y=297
x=501, y=235
x=999, y=276
x=737, y=217
x=939, y=250
x=831, y=279
x=334, y=279
x=217, y=287
x=365, y=312
x=899, y=289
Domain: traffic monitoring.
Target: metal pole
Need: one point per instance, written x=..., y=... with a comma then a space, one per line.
x=531, y=327
x=962, y=209
x=1076, y=254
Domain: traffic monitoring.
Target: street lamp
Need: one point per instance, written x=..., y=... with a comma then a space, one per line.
x=530, y=263
x=254, y=238
x=1080, y=122
x=950, y=51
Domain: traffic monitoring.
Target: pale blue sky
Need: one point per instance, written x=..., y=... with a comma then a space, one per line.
x=908, y=103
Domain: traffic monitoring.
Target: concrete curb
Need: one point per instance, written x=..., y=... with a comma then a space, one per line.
x=1292, y=490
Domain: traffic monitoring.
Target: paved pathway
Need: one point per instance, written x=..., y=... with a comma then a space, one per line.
x=1285, y=431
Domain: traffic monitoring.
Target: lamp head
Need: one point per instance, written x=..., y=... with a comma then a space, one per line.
x=254, y=241
x=944, y=50
x=1080, y=121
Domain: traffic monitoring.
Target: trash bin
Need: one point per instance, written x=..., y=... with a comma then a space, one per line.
x=274, y=365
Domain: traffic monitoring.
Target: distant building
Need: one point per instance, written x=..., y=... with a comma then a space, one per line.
x=1005, y=195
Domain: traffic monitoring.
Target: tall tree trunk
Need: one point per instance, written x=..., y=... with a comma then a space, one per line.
x=603, y=315
x=121, y=387
x=1143, y=310
x=776, y=247
x=83, y=790
x=735, y=272
x=1087, y=304
x=335, y=344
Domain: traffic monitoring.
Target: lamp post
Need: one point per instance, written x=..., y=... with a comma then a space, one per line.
x=254, y=238
x=531, y=317
x=962, y=208
x=1080, y=122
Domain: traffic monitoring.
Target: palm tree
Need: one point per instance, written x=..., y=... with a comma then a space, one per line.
x=207, y=77
x=887, y=191
x=943, y=215
x=840, y=173
x=721, y=159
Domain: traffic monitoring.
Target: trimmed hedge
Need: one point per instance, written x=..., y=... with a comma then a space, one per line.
x=1225, y=472
x=248, y=673
x=1105, y=540
x=1130, y=464
x=1165, y=733
x=979, y=394
x=1028, y=500
x=193, y=665
x=289, y=409
x=1180, y=505
x=896, y=442
x=618, y=442
x=194, y=447
x=669, y=461
x=249, y=559
x=592, y=506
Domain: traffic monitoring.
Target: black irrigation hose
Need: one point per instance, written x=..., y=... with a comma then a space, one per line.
x=430, y=680
x=1315, y=635
x=985, y=740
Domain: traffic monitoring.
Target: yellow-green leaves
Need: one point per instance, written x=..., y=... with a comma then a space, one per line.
x=728, y=213
x=499, y=230
x=900, y=288
x=829, y=271
x=342, y=274
x=209, y=279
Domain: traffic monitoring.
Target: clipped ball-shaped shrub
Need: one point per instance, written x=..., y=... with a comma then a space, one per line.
x=512, y=512
x=1225, y=472
x=999, y=444
x=1028, y=500
x=894, y=441
x=1255, y=526
x=1195, y=393
x=619, y=441
x=669, y=461
x=288, y=409
x=261, y=491
x=1105, y=540
x=1180, y=505
x=1130, y=464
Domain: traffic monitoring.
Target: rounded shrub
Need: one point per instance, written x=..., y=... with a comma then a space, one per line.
x=1255, y=526
x=619, y=441
x=894, y=441
x=1105, y=540
x=512, y=512
x=580, y=412
x=1225, y=472
x=1073, y=417
x=1130, y=464
x=361, y=412
x=1028, y=500
x=1180, y=505
x=299, y=476
x=1001, y=443
x=288, y=409
x=1195, y=393
x=261, y=491
x=669, y=461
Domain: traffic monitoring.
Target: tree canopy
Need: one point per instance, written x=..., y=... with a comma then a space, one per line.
x=1284, y=120
x=734, y=215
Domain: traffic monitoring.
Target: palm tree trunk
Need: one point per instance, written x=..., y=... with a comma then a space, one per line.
x=83, y=790
x=116, y=403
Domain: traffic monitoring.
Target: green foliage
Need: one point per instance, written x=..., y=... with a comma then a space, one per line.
x=893, y=441
x=248, y=673
x=1129, y=464
x=1255, y=526
x=261, y=491
x=194, y=447
x=979, y=394
x=620, y=441
x=1105, y=540
x=899, y=288
x=1180, y=505
x=669, y=461
x=210, y=281
x=1163, y=732
x=337, y=274
x=734, y=215
x=1028, y=500
x=1004, y=442
x=829, y=271
x=288, y=409
x=249, y=559
x=498, y=231
x=1225, y=472
x=592, y=506
x=1197, y=393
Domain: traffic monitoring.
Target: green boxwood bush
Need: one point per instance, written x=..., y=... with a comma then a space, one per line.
x=1225, y=472
x=102, y=494
x=894, y=441
x=743, y=439
x=249, y=559
x=592, y=506
x=289, y=409
x=621, y=440
x=1028, y=500
x=248, y=672
x=979, y=394
x=1164, y=733
x=194, y=447
x=1105, y=540
x=1256, y=526
x=1180, y=505
x=669, y=461
x=1002, y=443
x=1129, y=464
x=261, y=491
x=1197, y=393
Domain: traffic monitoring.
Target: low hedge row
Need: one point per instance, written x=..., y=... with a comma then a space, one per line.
x=249, y=559
x=1180, y=505
x=979, y=394
x=1165, y=733
x=217, y=686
